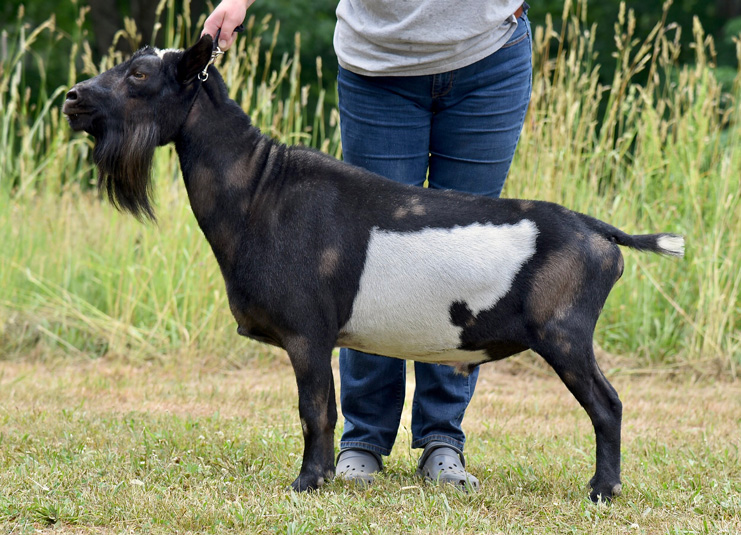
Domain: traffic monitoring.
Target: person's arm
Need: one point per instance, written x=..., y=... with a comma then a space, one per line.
x=228, y=15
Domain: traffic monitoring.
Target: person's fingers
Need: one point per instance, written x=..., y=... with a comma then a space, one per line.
x=213, y=23
x=227, y=16
x=227, y=36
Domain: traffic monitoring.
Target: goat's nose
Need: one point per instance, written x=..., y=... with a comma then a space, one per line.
x=72, y=94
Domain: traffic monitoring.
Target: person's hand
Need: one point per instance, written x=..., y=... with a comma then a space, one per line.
x=228, y=15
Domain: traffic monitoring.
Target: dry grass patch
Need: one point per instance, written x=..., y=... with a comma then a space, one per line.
x=197, y=445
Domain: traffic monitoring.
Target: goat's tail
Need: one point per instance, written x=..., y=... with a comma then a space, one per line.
x=664, y=243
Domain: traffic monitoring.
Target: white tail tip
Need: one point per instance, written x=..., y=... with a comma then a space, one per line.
x=671, y=244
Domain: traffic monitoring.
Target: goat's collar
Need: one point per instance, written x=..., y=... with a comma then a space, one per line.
x=195, y=97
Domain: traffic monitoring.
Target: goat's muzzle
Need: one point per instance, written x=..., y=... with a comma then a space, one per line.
x=79, y=115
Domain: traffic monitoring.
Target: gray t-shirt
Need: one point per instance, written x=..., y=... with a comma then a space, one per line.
x=416, y=37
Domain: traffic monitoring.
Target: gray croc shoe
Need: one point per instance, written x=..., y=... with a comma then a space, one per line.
x=442, y=463
x=358, y=466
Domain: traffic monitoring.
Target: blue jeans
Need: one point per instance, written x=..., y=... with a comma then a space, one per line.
x=461, y=126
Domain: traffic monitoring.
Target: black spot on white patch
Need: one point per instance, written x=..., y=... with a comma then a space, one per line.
x=461, y=315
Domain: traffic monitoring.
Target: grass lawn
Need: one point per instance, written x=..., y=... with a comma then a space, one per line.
x=195, y=445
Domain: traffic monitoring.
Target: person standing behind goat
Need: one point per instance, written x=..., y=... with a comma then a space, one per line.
x=429, y=90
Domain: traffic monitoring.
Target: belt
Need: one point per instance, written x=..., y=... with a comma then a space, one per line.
x=519, y=11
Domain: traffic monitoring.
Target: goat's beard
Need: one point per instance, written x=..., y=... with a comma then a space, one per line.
x=124, y=160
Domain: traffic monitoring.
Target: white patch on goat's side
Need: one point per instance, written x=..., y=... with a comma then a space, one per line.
x=411, y=279
x=671, y=244
x=161, y=53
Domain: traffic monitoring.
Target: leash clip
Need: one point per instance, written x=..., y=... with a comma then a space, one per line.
x=215, y=53
x=203, y=75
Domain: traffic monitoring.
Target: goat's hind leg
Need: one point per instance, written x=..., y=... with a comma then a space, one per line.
x=576, y=366
x=317, y=409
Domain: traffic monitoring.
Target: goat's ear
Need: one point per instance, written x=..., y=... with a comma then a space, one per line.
x=195, y=59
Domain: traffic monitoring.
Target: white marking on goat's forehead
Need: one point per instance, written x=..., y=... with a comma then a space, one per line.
x=411, y=279
x=161, y=53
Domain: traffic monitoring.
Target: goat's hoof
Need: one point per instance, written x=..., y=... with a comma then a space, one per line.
x=307, y=482
x=605, y=493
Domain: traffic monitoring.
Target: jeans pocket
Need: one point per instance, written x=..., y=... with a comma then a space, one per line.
x=516, y=39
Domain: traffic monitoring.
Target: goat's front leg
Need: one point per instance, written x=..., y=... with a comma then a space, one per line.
x=318, y=411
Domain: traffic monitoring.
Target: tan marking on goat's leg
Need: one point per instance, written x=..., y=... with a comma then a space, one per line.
x=562, y=342
x=570, y=379
x=605, y=250
x=299, y=346
x=555, y=286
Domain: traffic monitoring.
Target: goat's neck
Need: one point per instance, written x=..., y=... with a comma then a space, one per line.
x=225, y=163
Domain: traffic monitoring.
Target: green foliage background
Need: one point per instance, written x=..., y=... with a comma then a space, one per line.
x=653, y=147
x=315, y=20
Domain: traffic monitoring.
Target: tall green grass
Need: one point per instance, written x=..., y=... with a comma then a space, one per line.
x=660, y=155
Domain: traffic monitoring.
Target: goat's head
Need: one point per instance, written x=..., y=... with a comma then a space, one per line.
x=130, y=110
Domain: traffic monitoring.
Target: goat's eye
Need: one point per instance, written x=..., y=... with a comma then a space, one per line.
x=139, y=75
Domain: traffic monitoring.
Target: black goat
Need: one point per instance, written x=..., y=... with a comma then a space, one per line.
x=317, y=253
